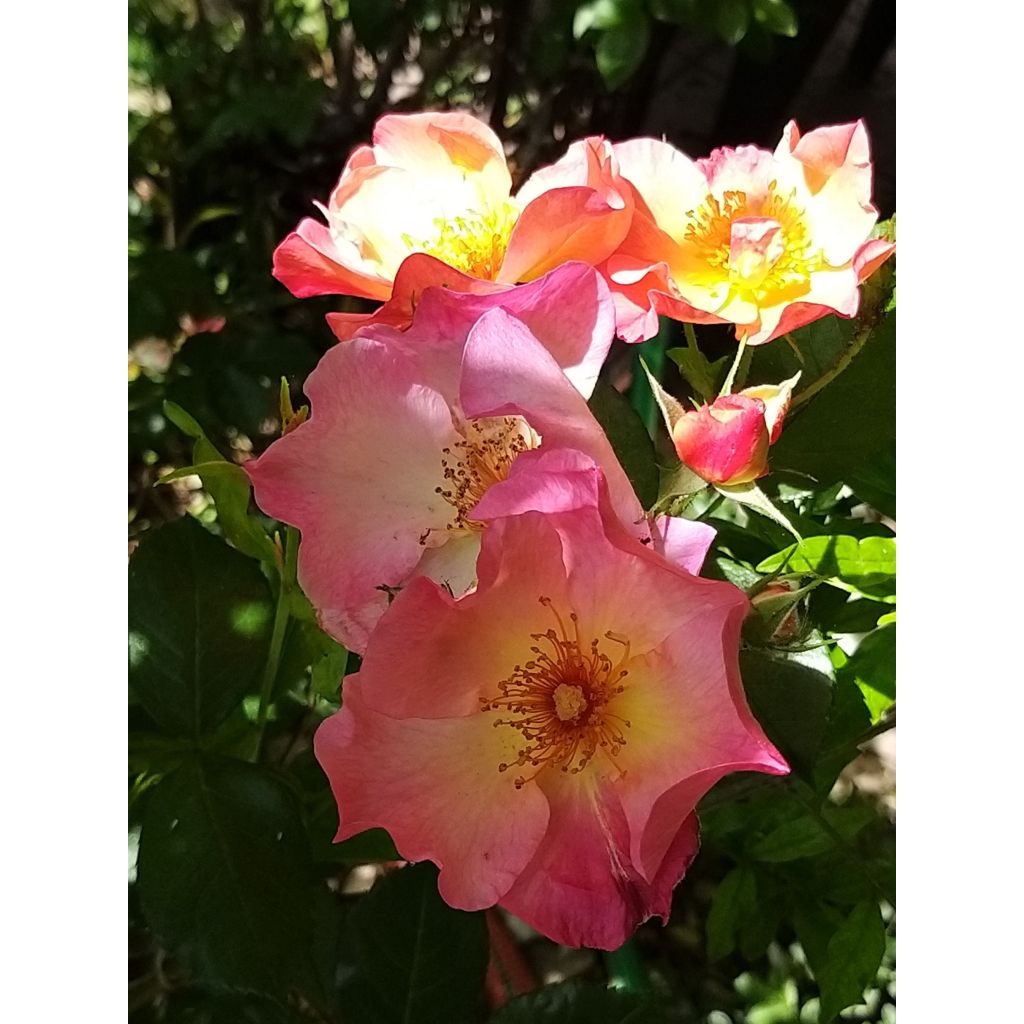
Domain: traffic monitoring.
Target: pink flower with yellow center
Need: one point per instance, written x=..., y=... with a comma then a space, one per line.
x=727, y=441
x=437, y=184
x=545, y=739
x=766, y=241
x=408, y=431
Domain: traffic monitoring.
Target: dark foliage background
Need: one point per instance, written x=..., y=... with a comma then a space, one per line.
x=241, y=112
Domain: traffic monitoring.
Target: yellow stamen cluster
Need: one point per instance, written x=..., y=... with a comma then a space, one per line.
x=709, y=233
x=474, y=243
x=481, y=458
x=558, y=701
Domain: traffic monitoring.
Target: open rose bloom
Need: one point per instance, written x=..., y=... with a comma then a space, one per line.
x=766, y=241
x=409, y=430
x=545, y=739
x=437, y=185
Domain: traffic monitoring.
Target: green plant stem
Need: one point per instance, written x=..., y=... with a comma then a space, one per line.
x=857, y=342
x=741, y=351
x=281, y=615
x=625, y=969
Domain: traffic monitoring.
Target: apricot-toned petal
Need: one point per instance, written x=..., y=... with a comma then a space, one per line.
x=562, y=225
x=578, y=209
x=682, y=541
x=438, y=143
x=836, y=165
x=668, y=182
x=359, y=480
x=434, y=785
x=507, y=372
x=308, y=263
x=641, y=293
x=871, y=255
x=725, y=443
x=776, y=399
x=581, y=164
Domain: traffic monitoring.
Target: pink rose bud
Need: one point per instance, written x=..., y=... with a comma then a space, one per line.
x=727, y=441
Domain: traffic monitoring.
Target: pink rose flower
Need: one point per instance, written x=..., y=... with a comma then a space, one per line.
x=545, y=739
x=408, y=431
x=766, y=241
x=437, y=184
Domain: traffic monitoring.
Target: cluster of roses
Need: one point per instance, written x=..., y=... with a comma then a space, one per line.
x=547, y=686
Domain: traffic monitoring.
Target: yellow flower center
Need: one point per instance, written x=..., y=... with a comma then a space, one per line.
x=759, y=244
x=559, y=701
x=474, y=243
x=482, y=457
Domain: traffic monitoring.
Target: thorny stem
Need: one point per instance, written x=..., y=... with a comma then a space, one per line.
x=286, y=582
x=857, y=342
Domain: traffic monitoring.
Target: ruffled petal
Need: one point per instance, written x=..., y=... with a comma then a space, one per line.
x=434, y=785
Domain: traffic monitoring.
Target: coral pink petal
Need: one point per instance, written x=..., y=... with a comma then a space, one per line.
x=434, y=657
x=569, y=311
x=544, y=480
x=359, y=480
x=463, y=813
x=307, y=263
x=561, y=225
x=581, y=889
x=417, y=273
x=689, y=723
x=507, y=372
x=871, y=255
x=682, y=541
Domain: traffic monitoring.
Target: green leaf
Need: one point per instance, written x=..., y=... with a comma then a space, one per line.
x=573, y=1002
x=866, y=567
x=732, y=19
x=199, y=617
x=853, y=418
x=328, y=672
x=703, y=376
x=875, y=480
x=226, y=876
x=734, y=900
x=776, y=16
x=806, y=836
x=228, y=484
x=416, y=959
x=790, y=695
x=873, y=668
x=851, y=960
x=751, y=496
x=620, y=50
x=602, y=14
x=629, y=440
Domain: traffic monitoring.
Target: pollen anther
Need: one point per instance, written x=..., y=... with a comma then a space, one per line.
x=559, y=701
